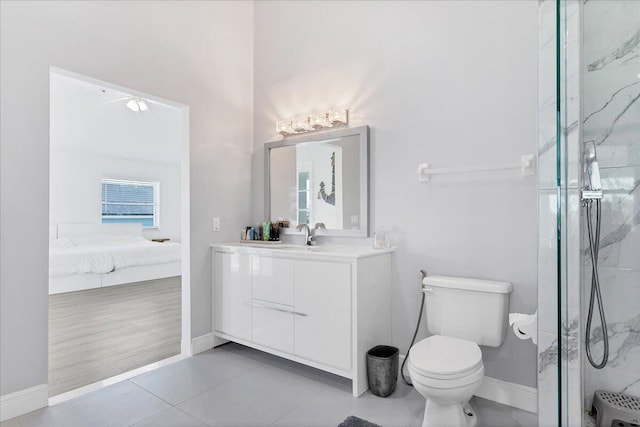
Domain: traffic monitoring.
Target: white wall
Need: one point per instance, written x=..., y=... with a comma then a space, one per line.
x=195, y=53
x=93, y=136
x=448, y=83
x=76, y=191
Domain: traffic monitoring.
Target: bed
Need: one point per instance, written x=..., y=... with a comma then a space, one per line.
x=88, y=256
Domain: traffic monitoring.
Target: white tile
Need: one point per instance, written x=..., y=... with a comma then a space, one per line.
x=121, y=404
x=611, y=112
x=405, y=407
x=620, y=232
x=571, y=14
x=611, y=35
x=258, y=397
x=618, y=380
x=547, y=379
x=188, y=378
x=619, y=287
x=10, y=423
x=546, y=25
x=547, y=261
x=171, y=417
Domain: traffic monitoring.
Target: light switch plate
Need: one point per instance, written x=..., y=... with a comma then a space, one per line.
x=216, y=223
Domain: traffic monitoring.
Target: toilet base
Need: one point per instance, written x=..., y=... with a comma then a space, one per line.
x=440, y=414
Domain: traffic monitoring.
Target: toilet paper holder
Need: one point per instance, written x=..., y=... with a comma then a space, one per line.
x=525, y=326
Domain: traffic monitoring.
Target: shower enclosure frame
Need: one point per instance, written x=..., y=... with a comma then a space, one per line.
x=589, y=91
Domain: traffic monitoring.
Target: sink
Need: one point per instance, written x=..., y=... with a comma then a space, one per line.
x=301, y=248
x=297, y=248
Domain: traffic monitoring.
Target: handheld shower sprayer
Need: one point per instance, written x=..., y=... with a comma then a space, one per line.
x=592, y=195
x=592, y=188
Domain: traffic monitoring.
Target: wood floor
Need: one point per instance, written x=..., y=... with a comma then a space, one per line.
x=98, y=333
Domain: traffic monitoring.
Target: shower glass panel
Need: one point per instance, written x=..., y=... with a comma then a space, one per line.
x=562, y=209
x=597, y=92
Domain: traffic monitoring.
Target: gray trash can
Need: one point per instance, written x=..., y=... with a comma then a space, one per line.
x=382, y=369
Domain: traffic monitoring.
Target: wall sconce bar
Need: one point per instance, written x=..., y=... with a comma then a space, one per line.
x=312, y=122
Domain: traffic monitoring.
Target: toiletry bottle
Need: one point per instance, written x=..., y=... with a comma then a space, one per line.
x=266, y=227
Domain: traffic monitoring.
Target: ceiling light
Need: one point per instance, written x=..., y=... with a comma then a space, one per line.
x=136, y=104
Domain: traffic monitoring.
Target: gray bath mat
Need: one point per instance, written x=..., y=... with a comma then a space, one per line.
x=352, y=421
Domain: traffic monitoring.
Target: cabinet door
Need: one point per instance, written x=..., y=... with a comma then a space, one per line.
x=272, y=279
x=232, y=294
x=323, y=301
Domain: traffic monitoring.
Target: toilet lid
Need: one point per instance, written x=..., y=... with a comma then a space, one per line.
x=442, y=355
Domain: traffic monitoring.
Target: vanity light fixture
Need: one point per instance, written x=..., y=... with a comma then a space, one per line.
x=137, y=105
x=312, y=122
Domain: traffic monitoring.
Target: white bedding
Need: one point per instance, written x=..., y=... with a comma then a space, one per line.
x=145, y=254
x=102, y=254
x=78, y=260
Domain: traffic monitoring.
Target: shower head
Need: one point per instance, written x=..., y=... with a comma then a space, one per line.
x=592, y=185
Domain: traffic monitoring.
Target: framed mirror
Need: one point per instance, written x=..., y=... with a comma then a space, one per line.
x=320, y=178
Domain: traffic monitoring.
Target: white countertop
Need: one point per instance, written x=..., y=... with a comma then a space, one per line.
x=302, y=251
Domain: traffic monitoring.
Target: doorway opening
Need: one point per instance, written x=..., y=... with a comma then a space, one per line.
x=119, y=280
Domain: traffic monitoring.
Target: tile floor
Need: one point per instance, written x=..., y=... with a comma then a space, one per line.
x=237, y=386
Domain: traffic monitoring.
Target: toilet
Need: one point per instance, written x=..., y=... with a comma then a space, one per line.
x=446, y=368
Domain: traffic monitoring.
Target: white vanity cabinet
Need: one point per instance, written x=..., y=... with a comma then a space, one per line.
x=324, y=307
x=232, y=274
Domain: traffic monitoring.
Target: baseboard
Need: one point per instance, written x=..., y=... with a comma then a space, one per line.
x=21, y=402
x=510, y=394
x=201, y=343
x=506, y=393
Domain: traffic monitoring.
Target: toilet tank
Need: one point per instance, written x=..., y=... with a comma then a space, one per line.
x=472, y=309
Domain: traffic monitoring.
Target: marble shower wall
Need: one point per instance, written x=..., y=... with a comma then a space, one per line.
x=611, y=118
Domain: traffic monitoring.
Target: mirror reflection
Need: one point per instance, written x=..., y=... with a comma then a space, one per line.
x=318, y=181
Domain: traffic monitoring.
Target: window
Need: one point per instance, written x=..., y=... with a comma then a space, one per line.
x=303, y=198
x=130, y=201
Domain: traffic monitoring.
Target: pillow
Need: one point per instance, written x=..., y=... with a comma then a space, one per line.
x=110, y=240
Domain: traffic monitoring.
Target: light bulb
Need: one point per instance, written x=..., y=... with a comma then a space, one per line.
x=133, y=105
x=284, y=127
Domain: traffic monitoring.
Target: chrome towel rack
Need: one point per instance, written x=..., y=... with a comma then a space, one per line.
x=527, y=166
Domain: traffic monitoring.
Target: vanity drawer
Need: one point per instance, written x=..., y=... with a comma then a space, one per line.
x=273, y=325
x=272, y=279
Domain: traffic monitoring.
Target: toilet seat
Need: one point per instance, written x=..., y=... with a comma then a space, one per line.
x=445, y=358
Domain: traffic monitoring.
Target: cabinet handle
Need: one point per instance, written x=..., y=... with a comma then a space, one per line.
x=270, y=307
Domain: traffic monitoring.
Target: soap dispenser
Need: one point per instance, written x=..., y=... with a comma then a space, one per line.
x=381, y=238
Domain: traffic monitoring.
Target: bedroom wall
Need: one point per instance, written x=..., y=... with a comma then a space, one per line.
x=450, y=83
x=75, y=190
x=93, y=135
x=196, y=53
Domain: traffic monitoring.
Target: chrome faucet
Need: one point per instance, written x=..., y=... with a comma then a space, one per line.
x=318, y=226
x=308, y=237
